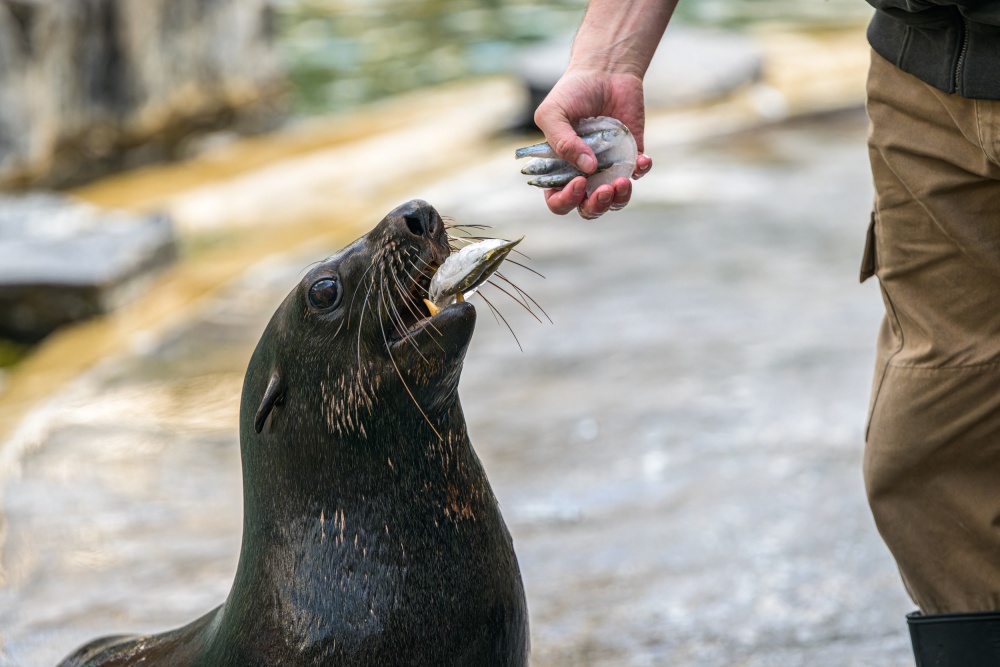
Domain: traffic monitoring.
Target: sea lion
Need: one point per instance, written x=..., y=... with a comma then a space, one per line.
x=371, y=536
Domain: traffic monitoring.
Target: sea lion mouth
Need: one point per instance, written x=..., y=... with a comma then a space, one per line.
x=419, y=320
x=453, y=281
x=440, y=286
x=413, y=313
x=432, y=324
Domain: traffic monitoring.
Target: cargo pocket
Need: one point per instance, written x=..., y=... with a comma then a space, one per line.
x=868, y=264
x=890, y=336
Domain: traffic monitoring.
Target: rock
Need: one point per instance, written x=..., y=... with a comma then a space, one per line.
x=62, y=260
x=691, y=65
x=91, y=86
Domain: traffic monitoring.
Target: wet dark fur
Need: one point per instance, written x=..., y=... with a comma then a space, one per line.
x=371, y=536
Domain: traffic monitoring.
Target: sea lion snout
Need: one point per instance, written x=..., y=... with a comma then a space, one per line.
x=417, y=218
x=420, y=218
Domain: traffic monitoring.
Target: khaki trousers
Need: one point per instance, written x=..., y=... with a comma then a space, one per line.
x=932, y=460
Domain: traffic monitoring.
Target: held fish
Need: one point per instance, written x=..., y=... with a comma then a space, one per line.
x=558, y=174
x=612, y=143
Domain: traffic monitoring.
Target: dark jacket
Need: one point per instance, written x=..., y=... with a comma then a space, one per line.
x=954, y=45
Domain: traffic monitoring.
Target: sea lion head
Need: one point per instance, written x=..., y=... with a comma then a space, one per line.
x=352, y=353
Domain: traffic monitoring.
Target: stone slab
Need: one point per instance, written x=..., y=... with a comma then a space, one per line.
x=62, y=260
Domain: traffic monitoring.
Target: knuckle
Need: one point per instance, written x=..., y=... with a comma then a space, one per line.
x=564, y=144
x=540, y=115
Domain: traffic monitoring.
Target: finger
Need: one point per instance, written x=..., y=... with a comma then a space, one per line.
x=563, y=138
x=597, y=204
x=563, y=201
x=643, y=164
x=622, y=193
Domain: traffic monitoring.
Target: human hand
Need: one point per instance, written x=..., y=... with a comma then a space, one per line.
x=582, y=93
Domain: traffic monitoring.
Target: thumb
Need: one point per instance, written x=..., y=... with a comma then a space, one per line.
x=563, y=138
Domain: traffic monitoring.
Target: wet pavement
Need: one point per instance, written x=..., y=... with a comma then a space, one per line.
x=678, y=455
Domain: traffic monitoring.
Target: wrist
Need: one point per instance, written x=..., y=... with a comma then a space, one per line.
x=607, y=61
x=620, y=36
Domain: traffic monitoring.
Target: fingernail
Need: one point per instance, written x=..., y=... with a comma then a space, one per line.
x=604, y=197
x=586, y=163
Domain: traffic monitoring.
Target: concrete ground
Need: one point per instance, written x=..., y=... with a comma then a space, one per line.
x=677, y=455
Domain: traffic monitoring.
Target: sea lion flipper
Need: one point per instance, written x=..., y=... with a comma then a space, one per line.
x=274, y=395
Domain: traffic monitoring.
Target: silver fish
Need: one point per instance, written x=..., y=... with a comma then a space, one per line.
x=611, y=142
x=556, y=173
x=599, y=141
x=465, y=271
x=544, y=165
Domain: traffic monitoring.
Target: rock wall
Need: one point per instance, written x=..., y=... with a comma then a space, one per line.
x=90, y=86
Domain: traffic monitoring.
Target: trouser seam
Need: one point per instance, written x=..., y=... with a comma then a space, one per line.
x=951, y=367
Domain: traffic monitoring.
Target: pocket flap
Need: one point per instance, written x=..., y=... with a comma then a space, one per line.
x=868, y=263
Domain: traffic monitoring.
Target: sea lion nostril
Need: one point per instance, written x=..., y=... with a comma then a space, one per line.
x=417, y=223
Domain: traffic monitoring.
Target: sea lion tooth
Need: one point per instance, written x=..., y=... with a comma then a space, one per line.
x=434, y=310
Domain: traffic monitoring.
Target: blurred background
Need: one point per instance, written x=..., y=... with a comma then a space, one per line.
x=677, y=455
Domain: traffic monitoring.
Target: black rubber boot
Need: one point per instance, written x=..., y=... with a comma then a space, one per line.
x=956, y=640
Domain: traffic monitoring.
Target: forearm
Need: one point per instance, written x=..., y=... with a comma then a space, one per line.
x=620, y=36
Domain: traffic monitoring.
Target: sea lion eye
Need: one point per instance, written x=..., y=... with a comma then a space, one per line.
x=324, y=293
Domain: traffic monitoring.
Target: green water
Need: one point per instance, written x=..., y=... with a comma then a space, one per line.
x=806, y=13
x=11, y=352
x=342, y=53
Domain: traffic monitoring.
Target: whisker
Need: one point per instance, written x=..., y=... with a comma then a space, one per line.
x=411, y=301
x=361, y=317
x=526, y=268
x=515, y=299
x=406, y=297
x=398, y=323
x=462, y=225
x=493, y=311
x=419, y=270
x=418, y=312
x=388, y=349
x=408, y=303
x=308, y=266
x=361, y=281
x=470, y=239
x=497, y=312
x=524, y=295
x=407, y=300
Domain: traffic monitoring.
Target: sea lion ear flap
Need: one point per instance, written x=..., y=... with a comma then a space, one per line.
x=274, y=395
